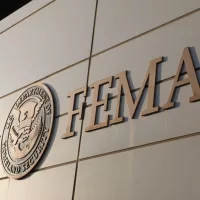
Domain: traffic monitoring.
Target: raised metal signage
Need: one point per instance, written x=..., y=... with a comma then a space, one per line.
x=28, y=126
x=27, y=131
x=132, y=103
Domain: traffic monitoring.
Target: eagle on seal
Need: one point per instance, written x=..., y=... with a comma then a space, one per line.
x=27, y=124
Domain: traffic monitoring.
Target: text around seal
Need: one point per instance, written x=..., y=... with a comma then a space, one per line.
x=27, y=131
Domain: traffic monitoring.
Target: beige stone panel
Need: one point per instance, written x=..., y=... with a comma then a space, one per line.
x=51, y=184
x=53, y=38
x=135, y=55
x=18, y=189
x=163, y=171
x=119, y=20
x=4, y=189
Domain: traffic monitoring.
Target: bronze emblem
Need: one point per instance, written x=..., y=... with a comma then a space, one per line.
x=27, y=131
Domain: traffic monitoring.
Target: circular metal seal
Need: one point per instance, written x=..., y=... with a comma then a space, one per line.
x=27, y=131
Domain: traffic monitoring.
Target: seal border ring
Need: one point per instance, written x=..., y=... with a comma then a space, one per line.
x=48, y=91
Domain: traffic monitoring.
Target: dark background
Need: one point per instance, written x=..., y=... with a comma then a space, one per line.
x=7, y=7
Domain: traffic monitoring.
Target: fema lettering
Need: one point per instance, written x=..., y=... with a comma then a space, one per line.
x=29, y=123
x=149, y=82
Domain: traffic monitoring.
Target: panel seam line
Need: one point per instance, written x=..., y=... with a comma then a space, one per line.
x=87, y=81
x=101, y=52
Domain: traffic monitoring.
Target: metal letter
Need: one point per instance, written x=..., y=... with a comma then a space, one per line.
x=96, y=103
x=132, y=104
x=192, y=79
x=72, y=112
